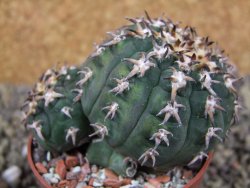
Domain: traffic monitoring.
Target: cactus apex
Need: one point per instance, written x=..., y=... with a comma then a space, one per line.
x=142, y=30
x=158, y=22
x=159, y=51
x=185, y=63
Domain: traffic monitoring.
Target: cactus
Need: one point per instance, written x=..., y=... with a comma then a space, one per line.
x=54, y=112
x=153, y=94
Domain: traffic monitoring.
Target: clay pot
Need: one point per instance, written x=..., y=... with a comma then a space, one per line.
x=193, y=183
x=40, y=180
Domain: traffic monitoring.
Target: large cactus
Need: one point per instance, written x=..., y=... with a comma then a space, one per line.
x=153, y=94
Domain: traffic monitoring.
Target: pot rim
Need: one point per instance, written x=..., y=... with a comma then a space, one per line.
x=197, y=179
x=194, y=182
x=40, y=179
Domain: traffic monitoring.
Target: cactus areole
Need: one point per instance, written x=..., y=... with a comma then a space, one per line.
x=153, y=94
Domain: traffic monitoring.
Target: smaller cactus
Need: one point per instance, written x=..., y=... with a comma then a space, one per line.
x=53, y=110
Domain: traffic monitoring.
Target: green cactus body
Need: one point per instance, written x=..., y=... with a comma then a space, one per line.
x=57, y=117
x=154, y=94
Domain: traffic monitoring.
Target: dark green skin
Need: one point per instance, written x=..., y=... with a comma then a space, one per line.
x=55, y=123
x=136, y=121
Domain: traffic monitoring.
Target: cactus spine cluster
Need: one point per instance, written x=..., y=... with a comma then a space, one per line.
x=153, y=94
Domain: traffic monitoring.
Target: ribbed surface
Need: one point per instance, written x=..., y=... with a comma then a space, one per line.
x=155, y=94
x=136, y=121
x=55, y=123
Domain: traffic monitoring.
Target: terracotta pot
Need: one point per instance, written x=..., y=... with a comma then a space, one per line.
x=40, y=180
x=193, y=183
